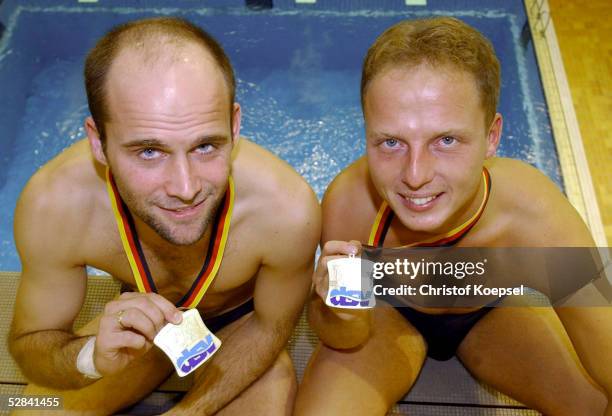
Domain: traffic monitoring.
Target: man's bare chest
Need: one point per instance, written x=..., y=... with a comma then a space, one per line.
x=177, y=276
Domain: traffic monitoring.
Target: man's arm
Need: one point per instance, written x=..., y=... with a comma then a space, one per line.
x=335, y=327
x=553, y=222
x=281, y=288
x=51, y=292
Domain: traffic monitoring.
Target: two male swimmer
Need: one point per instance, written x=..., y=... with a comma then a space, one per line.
x=166, y=196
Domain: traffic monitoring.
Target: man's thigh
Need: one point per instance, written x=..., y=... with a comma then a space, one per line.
x=272, y=394
x=524, y=352
x=367, y=380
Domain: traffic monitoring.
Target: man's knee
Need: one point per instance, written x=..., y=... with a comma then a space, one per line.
x=282, y=385
x=283, y=369
x=272, y=394
x=281, y=380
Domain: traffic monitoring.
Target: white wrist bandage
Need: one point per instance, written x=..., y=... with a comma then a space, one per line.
x=85, y=360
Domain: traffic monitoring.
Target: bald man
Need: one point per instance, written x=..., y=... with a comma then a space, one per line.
x=166, y=197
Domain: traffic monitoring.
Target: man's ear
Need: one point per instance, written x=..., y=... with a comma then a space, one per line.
x=494, y=135
x=236, y=119
x=93, y=135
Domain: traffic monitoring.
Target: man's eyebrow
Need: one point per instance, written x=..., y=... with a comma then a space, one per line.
x=144, y=143
x=212, y=138
x=454, y=131
x=153, y=142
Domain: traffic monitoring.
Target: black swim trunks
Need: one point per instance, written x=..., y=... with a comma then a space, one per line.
x=444, y=332
x=215, y=323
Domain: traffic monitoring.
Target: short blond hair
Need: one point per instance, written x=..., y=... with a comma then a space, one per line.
x=439, y=42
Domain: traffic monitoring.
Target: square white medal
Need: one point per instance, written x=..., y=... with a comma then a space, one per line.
x=188, y=344
x=347, y=289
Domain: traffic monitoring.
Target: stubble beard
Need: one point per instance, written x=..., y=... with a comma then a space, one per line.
x=167, y=230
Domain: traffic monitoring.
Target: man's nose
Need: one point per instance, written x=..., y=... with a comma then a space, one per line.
x=418, y=169
x=182, y=183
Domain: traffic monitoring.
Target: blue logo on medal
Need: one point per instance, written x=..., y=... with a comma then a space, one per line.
x=190, y=358
x=344, y=297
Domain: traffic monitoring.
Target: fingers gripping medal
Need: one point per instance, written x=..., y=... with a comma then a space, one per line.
x=188, y=344
x=347, y=288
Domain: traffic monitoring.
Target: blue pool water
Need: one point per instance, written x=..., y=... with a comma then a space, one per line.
x=298, y=70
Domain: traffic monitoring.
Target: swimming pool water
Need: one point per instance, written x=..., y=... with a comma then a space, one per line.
x=298, y=72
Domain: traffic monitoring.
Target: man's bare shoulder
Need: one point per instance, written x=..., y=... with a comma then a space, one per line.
x=62, y=195
x=539, y=212
x=277, y=201
x=350, y=204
